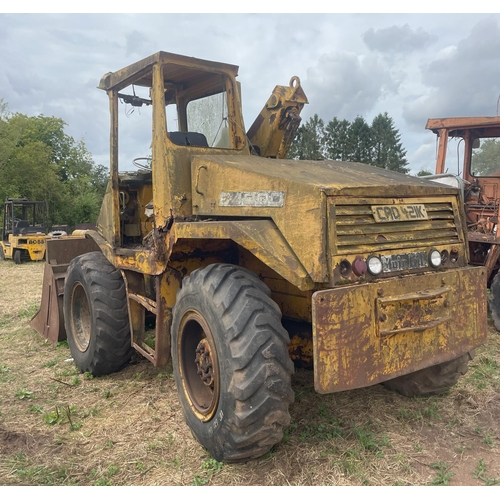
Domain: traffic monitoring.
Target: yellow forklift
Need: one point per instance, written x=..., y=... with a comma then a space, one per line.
x=23, y=230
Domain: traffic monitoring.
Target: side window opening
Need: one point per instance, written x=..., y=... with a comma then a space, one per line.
x=485, y=160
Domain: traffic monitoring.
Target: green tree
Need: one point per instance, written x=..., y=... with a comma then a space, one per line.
x=9, y=134
x=359, y=142
x=336, y=137
x=39, y=161
x=309, y=140
x=423, y=173
x=378, y=144
x=486, y=159
x=387, y=150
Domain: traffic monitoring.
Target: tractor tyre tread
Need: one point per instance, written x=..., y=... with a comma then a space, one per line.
x=110, y=345
x=433, y=380
x=256, y=377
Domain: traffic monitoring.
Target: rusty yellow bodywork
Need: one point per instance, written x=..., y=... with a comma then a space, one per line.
x=369, y=333
x=306, y=228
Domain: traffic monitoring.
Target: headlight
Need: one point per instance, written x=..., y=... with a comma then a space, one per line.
x=374, y=265
x=434, y=258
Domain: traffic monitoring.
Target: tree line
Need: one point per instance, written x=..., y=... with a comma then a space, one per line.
x=378, y=144
x=39, y=161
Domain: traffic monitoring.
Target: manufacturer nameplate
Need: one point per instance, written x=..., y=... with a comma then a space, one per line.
x=252, y=198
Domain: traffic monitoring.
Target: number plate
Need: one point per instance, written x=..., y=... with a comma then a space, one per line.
x=403, y=261
x=395, y=213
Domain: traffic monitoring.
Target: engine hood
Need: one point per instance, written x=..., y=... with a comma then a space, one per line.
x=329, y=176
x=298, y=196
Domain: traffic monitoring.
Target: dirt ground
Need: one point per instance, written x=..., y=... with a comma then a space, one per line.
x=60, y=427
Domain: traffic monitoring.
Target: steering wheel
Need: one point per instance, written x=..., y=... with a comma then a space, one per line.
x=139, y=162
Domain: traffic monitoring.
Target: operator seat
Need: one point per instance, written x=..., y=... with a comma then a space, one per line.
x=188, y=139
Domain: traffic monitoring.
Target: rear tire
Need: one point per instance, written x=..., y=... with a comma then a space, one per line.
x=96, y=315
x=17, y=256
x=2, y=253
x=231, y=362
x=432, y=380
x=494, y=301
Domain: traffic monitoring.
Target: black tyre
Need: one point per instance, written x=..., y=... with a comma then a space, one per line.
x=494, y=301
x=231, y=362
x=433, y=380
x=17, y=256
x=2, y=253
x=96, y=315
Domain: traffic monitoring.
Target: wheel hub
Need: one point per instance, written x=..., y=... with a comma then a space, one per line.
x=199, y=365
x=204, y=363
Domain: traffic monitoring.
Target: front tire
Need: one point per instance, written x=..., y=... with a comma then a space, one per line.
x=17, y=256
x=231, y=362
x=435, y=379
x=96, y=315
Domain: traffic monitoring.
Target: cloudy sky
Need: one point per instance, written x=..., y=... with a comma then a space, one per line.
x=414, y=66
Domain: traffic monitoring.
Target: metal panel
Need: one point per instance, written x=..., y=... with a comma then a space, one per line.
x=369, y=333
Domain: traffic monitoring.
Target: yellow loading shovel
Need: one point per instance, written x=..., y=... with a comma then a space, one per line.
x=49, y=320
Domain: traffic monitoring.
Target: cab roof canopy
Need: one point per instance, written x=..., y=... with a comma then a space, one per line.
x=189, y=73
x=482, y=126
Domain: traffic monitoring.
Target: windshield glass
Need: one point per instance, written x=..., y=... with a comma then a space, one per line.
x=208, y=116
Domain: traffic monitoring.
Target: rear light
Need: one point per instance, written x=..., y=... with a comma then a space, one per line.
x=359, y=266
x=345, y=268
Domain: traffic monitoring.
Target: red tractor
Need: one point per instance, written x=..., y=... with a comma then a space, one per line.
x=471, y=147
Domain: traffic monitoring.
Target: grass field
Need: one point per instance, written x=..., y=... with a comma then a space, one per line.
x=61, y=427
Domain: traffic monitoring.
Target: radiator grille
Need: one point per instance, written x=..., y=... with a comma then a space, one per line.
x=357, y=231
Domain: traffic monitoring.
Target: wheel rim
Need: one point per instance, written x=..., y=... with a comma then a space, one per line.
x=80, y=317
x=198, y=365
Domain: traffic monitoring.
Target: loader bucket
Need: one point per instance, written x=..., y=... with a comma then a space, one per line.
x=49, y=320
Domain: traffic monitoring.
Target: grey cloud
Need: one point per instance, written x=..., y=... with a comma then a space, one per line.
x=464, y=81
x=136, y=43
x=397, y=39
x=345, y=85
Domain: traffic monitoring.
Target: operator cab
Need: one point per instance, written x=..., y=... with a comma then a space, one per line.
x=166, y=108
x=23, y=217
x=198, y=99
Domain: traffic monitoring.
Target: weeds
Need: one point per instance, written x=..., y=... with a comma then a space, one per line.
x=4, y=373
x=42, y=475
x=210, y=467
x=443, y=475
x=62, y=414
x=369, y=440
x=24, y=394
x=480, y=471
x=485, y=372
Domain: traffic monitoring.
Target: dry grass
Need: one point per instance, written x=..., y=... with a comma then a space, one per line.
x=60, y=427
